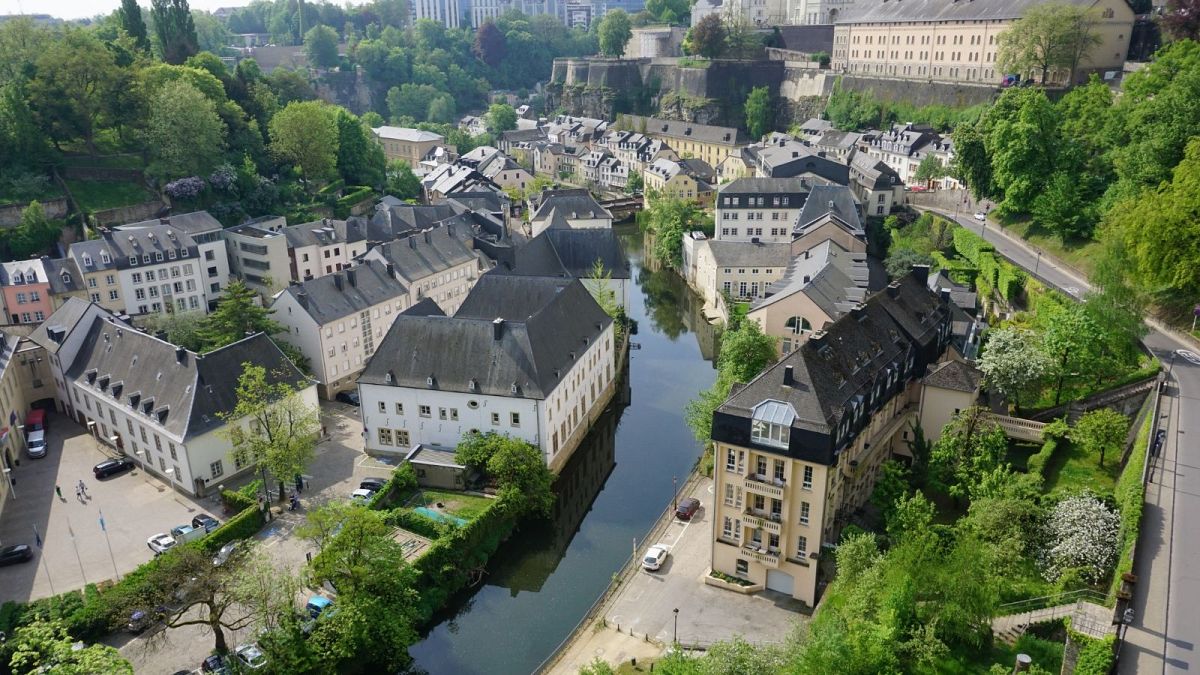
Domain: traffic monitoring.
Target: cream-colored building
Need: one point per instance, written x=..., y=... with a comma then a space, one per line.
x=950, y=387
x=798, y=449
x=324, y=246
x=409, y=145
x=667, y=179
x=25, y=379
x=688, y=139
x=957, y=40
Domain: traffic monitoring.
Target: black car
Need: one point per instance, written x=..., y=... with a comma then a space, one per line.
x=112, y=467
x=17, y=553
x=687, y=508
x=214, y=664
x=373, y=484
x=205, y=522
x=347, y=397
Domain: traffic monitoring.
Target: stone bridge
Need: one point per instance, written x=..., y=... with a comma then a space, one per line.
x=1020, y=429
x=623, y=207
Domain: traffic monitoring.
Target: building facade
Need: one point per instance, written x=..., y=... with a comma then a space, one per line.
x=258, y=254
x=759, y=209
x=438, y=264
x=324, y=247
x=26, y=291
x=412, y=145
x=700, y=141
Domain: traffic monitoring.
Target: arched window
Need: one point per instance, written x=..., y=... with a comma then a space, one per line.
x=798, y=325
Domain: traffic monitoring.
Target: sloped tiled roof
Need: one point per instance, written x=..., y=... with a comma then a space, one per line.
x=955, y=375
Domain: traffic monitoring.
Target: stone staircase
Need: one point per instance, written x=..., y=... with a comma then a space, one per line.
x=1086, y=614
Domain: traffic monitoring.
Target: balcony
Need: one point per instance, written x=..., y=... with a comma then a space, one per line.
x=771, y=522
x=761, y=485
x=762, y=555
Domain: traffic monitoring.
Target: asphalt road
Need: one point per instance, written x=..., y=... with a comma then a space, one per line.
x=1166, y=626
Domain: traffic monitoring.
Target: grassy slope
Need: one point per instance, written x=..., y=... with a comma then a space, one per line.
x=96, y=195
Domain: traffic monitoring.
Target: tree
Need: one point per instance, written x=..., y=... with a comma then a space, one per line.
x=360, y=157
x=74, y=83
x=599, y=284
x=402, y=183
x=354, y=545
x=900, y=261
x=1080, y=534
x=708, y=37
x=972, y=164
x=615, y=32
x=970, y=447
x=669, y=220
x=501, y=117
x=520, y=470
x=46, y=646
x=1071, y=339
x=181, y=328
x=635, y=183
x=1182, y=19
x=321, y=46
x=1022, y=141
x=741, y=39
x=490, y=45
x=306, y=133
x=930, y=169
x=475, y=450
x=759, y=112
x=1053, y=36
x=35, y=233
x=238, y=315
x=130, y=15
x=175, y=29
x=1064, y=209
x=745, y=352
x=186, y=135
x=1013, y=362
x=1100, y=431
x=281, y=430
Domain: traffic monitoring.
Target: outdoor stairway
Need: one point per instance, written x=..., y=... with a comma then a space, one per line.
x=1087, y=617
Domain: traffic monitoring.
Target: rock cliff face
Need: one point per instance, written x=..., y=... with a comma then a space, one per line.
x=348, y=89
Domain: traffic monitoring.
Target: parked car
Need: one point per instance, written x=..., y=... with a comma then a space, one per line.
x=362, y=495
x=205, y=522
x=160, y=543
x=373, y=484
x=182, y=533
x=215, y=664
x=36, y=445
x=250, y=656
x=16, y=553
x=688, y=506
x=316, y=605
x=111, y=467
x=140, y=620
x=655, y=556
x=348, y=397
x=980, y=216
x=35, y=420
x=223, y=555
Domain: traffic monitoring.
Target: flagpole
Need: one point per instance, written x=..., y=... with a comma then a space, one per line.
x=107, y=541
x=75, y=546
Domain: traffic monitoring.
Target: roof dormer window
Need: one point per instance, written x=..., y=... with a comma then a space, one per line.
x=103, y=258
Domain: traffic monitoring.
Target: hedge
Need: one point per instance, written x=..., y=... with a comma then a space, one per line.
x=400, y=485
x=415, y=522
x=1130, y=495
x=341, y=207
x=1095, y=655
x=1037, y=462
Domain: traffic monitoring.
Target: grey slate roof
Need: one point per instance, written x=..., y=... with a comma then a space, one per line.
x=193, y=223
x=702, y=133
x=186, y=393
x=569, y=253
x=749, y=254
x=394, y=221
x=766, y=186
x=426, y=254
x=63, y=320
x=836, y=200
x=943, y=10
x=954, y=374
x=347, y=292
x=63, y=275
x=141, y=241
x=570, y=203
x=325, y=232
x=547, y=324
x=839, y=285
x=873, y=173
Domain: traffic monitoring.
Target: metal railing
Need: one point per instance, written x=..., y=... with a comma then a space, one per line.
x=1045, y=601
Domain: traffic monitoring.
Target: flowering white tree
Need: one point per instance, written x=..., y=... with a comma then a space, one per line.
x=1012, y=361
x=1081, y=533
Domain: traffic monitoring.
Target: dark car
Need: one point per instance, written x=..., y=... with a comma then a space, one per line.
x=687, y=508
x=17, y=553
x=347, y=397
x=205, y=522
x=372, y=484
x=214, y=664
x=111, y=467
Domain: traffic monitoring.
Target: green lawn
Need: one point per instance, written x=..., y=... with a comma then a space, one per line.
x=459, y=504
x=117, y=161
x=97, y=195
x=1080, y=255
x=1073, y=469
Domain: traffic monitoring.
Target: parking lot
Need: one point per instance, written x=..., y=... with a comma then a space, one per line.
x=136, y=505
x=707, y=614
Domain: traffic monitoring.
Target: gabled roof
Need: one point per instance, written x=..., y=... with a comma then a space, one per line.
x=62, y=322
x=63, y=275
x=394, y=221
x=569, y=253
x=747, y=253
x=766, y=186
x=425, y=254
x=338, y=295
x=570, y=204
x=513, y=336
x=701, y=133
x=832, y=277
x=192, y=223
x=325, y=232
x=835, y=201
x=407, y=134
x=955, y=375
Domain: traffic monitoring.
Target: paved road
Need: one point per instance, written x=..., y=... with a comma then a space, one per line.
x=1166, y=627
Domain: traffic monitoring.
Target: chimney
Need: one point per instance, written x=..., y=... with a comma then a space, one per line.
x=497, y=329
x=944, y=294
x=352, y=277
x=921, y=273
x=893, y=289
x=412, y=242
x=391, y=270
x=180, y=354
x=428, y=237
x=302, y=298
x=339, y=281
x=817, y=338
x=859, y=311
x=788, y=379
x=165, y=220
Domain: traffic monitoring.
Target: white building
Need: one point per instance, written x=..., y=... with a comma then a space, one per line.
x=437, y=264
x=530, y=357
x=759, y=209
x=446, y=12
x=338, y=320
x=575, y=208
x=258, y=254
x=324, y=246
x=206, y=233
x=161, y=405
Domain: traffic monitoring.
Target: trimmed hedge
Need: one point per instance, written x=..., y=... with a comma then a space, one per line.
x=400, y=486
x=1037, y=462
x=415, y=522
x=1130, y=495
x=970, y=245
x=1095, y=656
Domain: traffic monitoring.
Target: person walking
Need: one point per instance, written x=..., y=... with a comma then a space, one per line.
x=82, y=487
x=79, y=494
x=58, y=491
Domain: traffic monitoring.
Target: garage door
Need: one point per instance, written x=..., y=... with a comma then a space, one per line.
x=780, y=581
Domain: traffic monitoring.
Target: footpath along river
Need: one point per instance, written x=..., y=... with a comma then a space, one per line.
x=543, y=580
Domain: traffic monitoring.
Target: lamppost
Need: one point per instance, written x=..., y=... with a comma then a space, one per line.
x=674, y=493
x=675, y=639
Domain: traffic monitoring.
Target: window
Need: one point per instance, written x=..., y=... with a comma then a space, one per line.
x=729, y=494
x=743, y=567
x=454, y=414
x=217, y=469
x=113, y=295
x=39, y=316
x=767, y=433
x=727, y=528
x=424, y=411
x=730, y=460
x=91, y=282
x=399, y=408
x=441, y=413
x=779, y=467
x=808, y=476
x=382, y=407
x=495, y=419
x=801, y=546
x=385, y=436
x=804, y=509
x=515, y=419
x=171, y=448
x=21, y=298
x=401, y=438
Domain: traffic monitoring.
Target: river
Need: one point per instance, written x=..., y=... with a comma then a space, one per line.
x=543, y=580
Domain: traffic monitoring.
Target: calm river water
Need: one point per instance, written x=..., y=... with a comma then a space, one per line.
x=544, y=579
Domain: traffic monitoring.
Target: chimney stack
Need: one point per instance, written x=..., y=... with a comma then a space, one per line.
x=339, y=281
x=352, y=277
x=302, y=298
x=391, y=270
x=788, y=378
x=944, y=294
x=921, y=273
x=893, y=289
x=428, y=237
x=180, y=354
x=497, y=329
x=412, y=242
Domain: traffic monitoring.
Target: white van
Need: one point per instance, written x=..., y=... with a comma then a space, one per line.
x=37, y=443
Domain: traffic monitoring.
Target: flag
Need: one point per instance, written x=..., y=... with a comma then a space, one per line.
x=102, y=528
x=37, y=537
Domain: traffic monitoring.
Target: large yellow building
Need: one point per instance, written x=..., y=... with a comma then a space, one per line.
x=688, y=139
x=798, y=449
x=956, y=40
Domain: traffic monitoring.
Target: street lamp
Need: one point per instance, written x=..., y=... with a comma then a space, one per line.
x=674, y=493
x=676, y=635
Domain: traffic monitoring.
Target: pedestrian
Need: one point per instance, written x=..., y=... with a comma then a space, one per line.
x=82, y=487
x=58, y=491
x=78, y=494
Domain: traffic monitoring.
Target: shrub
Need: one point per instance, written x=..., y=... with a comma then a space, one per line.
x=244, y=525
x=1129, y=495
x=400, y=485
x=1038, y=461
x=415, y=522
x=185, y=188
x=1081, y=533
x=1095, y=656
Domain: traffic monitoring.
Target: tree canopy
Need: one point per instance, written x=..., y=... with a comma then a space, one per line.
x=321, y=46
x=306, y=133
x=615, y=31
x=760, y=113
x=1047, y=38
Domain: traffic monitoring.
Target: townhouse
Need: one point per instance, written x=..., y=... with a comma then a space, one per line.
x=258, y=254
x=206, y=233
x=876, y=185
x=438, y=264
x=701, y=141
x=687, y=179
x=497, y=167
x=575, y=208
x=25, y=286
x=25, y=382
x=324, y=247
x=759, y=209
x=338, y=320
x=530, y=357
x=162, y=405
x=409, y=145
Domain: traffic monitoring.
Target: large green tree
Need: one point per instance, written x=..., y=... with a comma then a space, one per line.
x=47, y=647
x=760, y=113
x=130, y=15
x=1100, y=431
x=1013, y=362
x=1047, y=38
x=187, y=136
x=707, y=37
x=1073, y=341
x=500, y=118
x=321, y=46
x=971, y=446
x=175, y=29
x=402, y=183
x=1022, y=142
x=360, y=158
x=34, y=235
x=490, y=45
x=615, y=31
x=238, y=314
x=73, y=87
x=306, y=134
